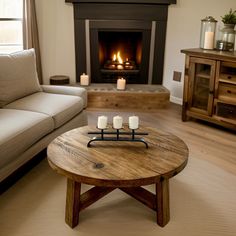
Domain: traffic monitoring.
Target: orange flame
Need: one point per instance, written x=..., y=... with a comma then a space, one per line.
x=117, y=57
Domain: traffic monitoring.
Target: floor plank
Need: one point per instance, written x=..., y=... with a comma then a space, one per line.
x=205, y=141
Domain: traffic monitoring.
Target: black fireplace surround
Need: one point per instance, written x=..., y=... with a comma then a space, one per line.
x=142, y=22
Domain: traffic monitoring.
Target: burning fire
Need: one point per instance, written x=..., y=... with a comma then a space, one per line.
x=118, y=63
x=117, y=58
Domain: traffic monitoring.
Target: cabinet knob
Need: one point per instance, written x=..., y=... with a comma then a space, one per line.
x=229, y=77
x=228, y=91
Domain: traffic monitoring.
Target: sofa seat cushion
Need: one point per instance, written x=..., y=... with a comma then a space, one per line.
x=19, y=131
x=61, y=108
x=18, y=76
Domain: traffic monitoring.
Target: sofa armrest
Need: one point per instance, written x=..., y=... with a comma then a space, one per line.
x=66, y=90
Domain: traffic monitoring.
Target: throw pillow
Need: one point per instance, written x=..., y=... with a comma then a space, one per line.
x=18, y=76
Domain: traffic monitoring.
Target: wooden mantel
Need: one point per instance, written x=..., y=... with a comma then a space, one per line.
x=154, y=2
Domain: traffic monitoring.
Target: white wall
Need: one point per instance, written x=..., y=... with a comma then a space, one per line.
x=56, y=32
x=183, y=31
x=56, y=35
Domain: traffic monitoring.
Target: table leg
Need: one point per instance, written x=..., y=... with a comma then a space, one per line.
x=162, y=201
x=72, y=203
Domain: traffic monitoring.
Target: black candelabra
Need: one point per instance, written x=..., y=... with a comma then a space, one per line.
x=117, y=135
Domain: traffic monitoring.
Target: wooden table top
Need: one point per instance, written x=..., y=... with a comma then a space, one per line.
x=117, y=164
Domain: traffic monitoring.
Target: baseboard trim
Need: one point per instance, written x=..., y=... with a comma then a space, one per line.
x=176, y=100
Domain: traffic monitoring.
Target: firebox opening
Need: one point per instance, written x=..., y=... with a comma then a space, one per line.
x=120, y=55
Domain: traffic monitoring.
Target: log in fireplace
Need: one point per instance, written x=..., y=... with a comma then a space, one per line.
x=120, y=38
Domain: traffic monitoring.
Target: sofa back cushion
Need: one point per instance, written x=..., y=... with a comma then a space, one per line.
x=18, y=76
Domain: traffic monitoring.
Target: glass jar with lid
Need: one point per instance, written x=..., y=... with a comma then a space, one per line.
x=226, y=38
x=208, y=29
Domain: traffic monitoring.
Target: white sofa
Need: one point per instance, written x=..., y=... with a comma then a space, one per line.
x=31, y=116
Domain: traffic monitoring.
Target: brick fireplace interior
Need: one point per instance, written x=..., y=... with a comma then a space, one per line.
x=118, y=38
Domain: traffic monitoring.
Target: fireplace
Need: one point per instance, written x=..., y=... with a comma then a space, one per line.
x=120, y=38
x=120, y=55
x=119, y=49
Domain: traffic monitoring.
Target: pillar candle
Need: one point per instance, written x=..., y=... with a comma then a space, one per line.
x=84, y=80
x=117, y=122
x=209, y=40
x=121, y=84
x=133, y=122
x=102, y=122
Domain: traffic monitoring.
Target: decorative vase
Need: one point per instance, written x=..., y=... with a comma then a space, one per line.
x=226, y=38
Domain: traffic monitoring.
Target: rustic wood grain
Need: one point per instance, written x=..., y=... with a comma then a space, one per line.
x=186, y=89
x=162, y=198
x=192, y=76
x=125, y=164
x=211, y=54
x=222, y=82
x=206, y=141
x=142, y=195
x=72, y=203
x=118, y=99
x=218, y=64
x=134, y=97
x=92, y=195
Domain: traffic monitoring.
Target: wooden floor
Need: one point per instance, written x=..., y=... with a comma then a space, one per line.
x=202, y=196
x=205, y=141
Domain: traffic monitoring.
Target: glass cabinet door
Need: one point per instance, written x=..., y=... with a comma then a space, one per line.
x=202, y=74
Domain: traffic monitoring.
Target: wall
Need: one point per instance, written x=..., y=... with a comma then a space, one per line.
x=183, y=31
x=56, y=35
x=56, y=32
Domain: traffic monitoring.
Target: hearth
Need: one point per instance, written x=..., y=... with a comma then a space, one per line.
x=120, y=38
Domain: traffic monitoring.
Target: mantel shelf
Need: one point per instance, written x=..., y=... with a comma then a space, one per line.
x=154, y=2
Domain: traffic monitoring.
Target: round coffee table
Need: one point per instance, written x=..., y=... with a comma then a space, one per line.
x=123, y=165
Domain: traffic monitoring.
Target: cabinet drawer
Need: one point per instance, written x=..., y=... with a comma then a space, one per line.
x=226, y=110
x=227, y=91
x=227, y=72
x=228, y=78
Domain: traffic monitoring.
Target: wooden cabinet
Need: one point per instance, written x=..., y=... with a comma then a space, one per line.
x=201, y=85
x=210, y=86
